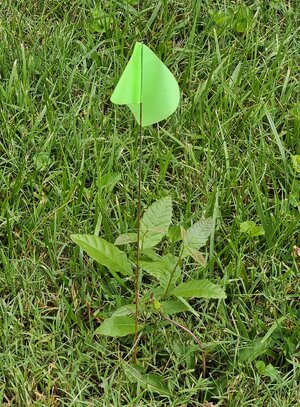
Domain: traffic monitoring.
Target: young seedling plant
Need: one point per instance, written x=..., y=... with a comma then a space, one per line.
x=170, y=288
x=152, y=94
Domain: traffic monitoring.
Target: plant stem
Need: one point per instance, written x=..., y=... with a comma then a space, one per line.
x=172, y=273
x=137, y=270
x=184, y=328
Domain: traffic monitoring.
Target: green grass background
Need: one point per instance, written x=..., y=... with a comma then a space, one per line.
x=69, y=165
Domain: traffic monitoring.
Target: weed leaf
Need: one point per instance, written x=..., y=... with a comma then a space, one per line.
x=155, y=222
x=199, y=289
x=104, y=253
x=116, y=326
x=254, y=350
x=251, y=229
x=156, y=384
x=152, y=382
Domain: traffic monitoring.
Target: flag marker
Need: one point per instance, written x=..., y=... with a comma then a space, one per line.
x=152, y=94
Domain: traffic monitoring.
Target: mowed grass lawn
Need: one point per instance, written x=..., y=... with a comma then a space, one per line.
x=69, y=162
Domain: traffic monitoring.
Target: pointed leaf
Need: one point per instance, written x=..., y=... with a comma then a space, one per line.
x=155, y=222
x=173, y=307
x=116, y=326
x=104, y=253
x=150, y=254
x=199, y=289
x=196, y=236
x=154, y=268
x=148, y=84
x=196, y=255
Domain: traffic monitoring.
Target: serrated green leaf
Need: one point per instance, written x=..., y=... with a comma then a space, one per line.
x=155, y=222
x=173, y=307
x=117, y=326
x=104, y=253
x=126, y=238
x=199, y=289
x=166, y=270
x=154, y=268
x=196, y=236
x=150, y=254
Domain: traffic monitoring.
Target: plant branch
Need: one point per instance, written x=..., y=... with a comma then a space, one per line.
x=184, y=328
x=173, y=271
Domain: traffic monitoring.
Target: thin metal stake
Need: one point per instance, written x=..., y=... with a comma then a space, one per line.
x=137, y=270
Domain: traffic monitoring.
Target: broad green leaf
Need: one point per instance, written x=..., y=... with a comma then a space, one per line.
x=116, y=326
x=148, y=84
x=199, y=289
x=126, y=238
x=150, y=254
x=171, y=272
x=251, y=229
x=104, y=253
x=196, y=236
x=173, y=307
x=154, y=268
x=155, y=222
x=151, y=382
x=166, y=270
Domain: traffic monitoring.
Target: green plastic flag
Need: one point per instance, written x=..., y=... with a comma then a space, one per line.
x=147, y=87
